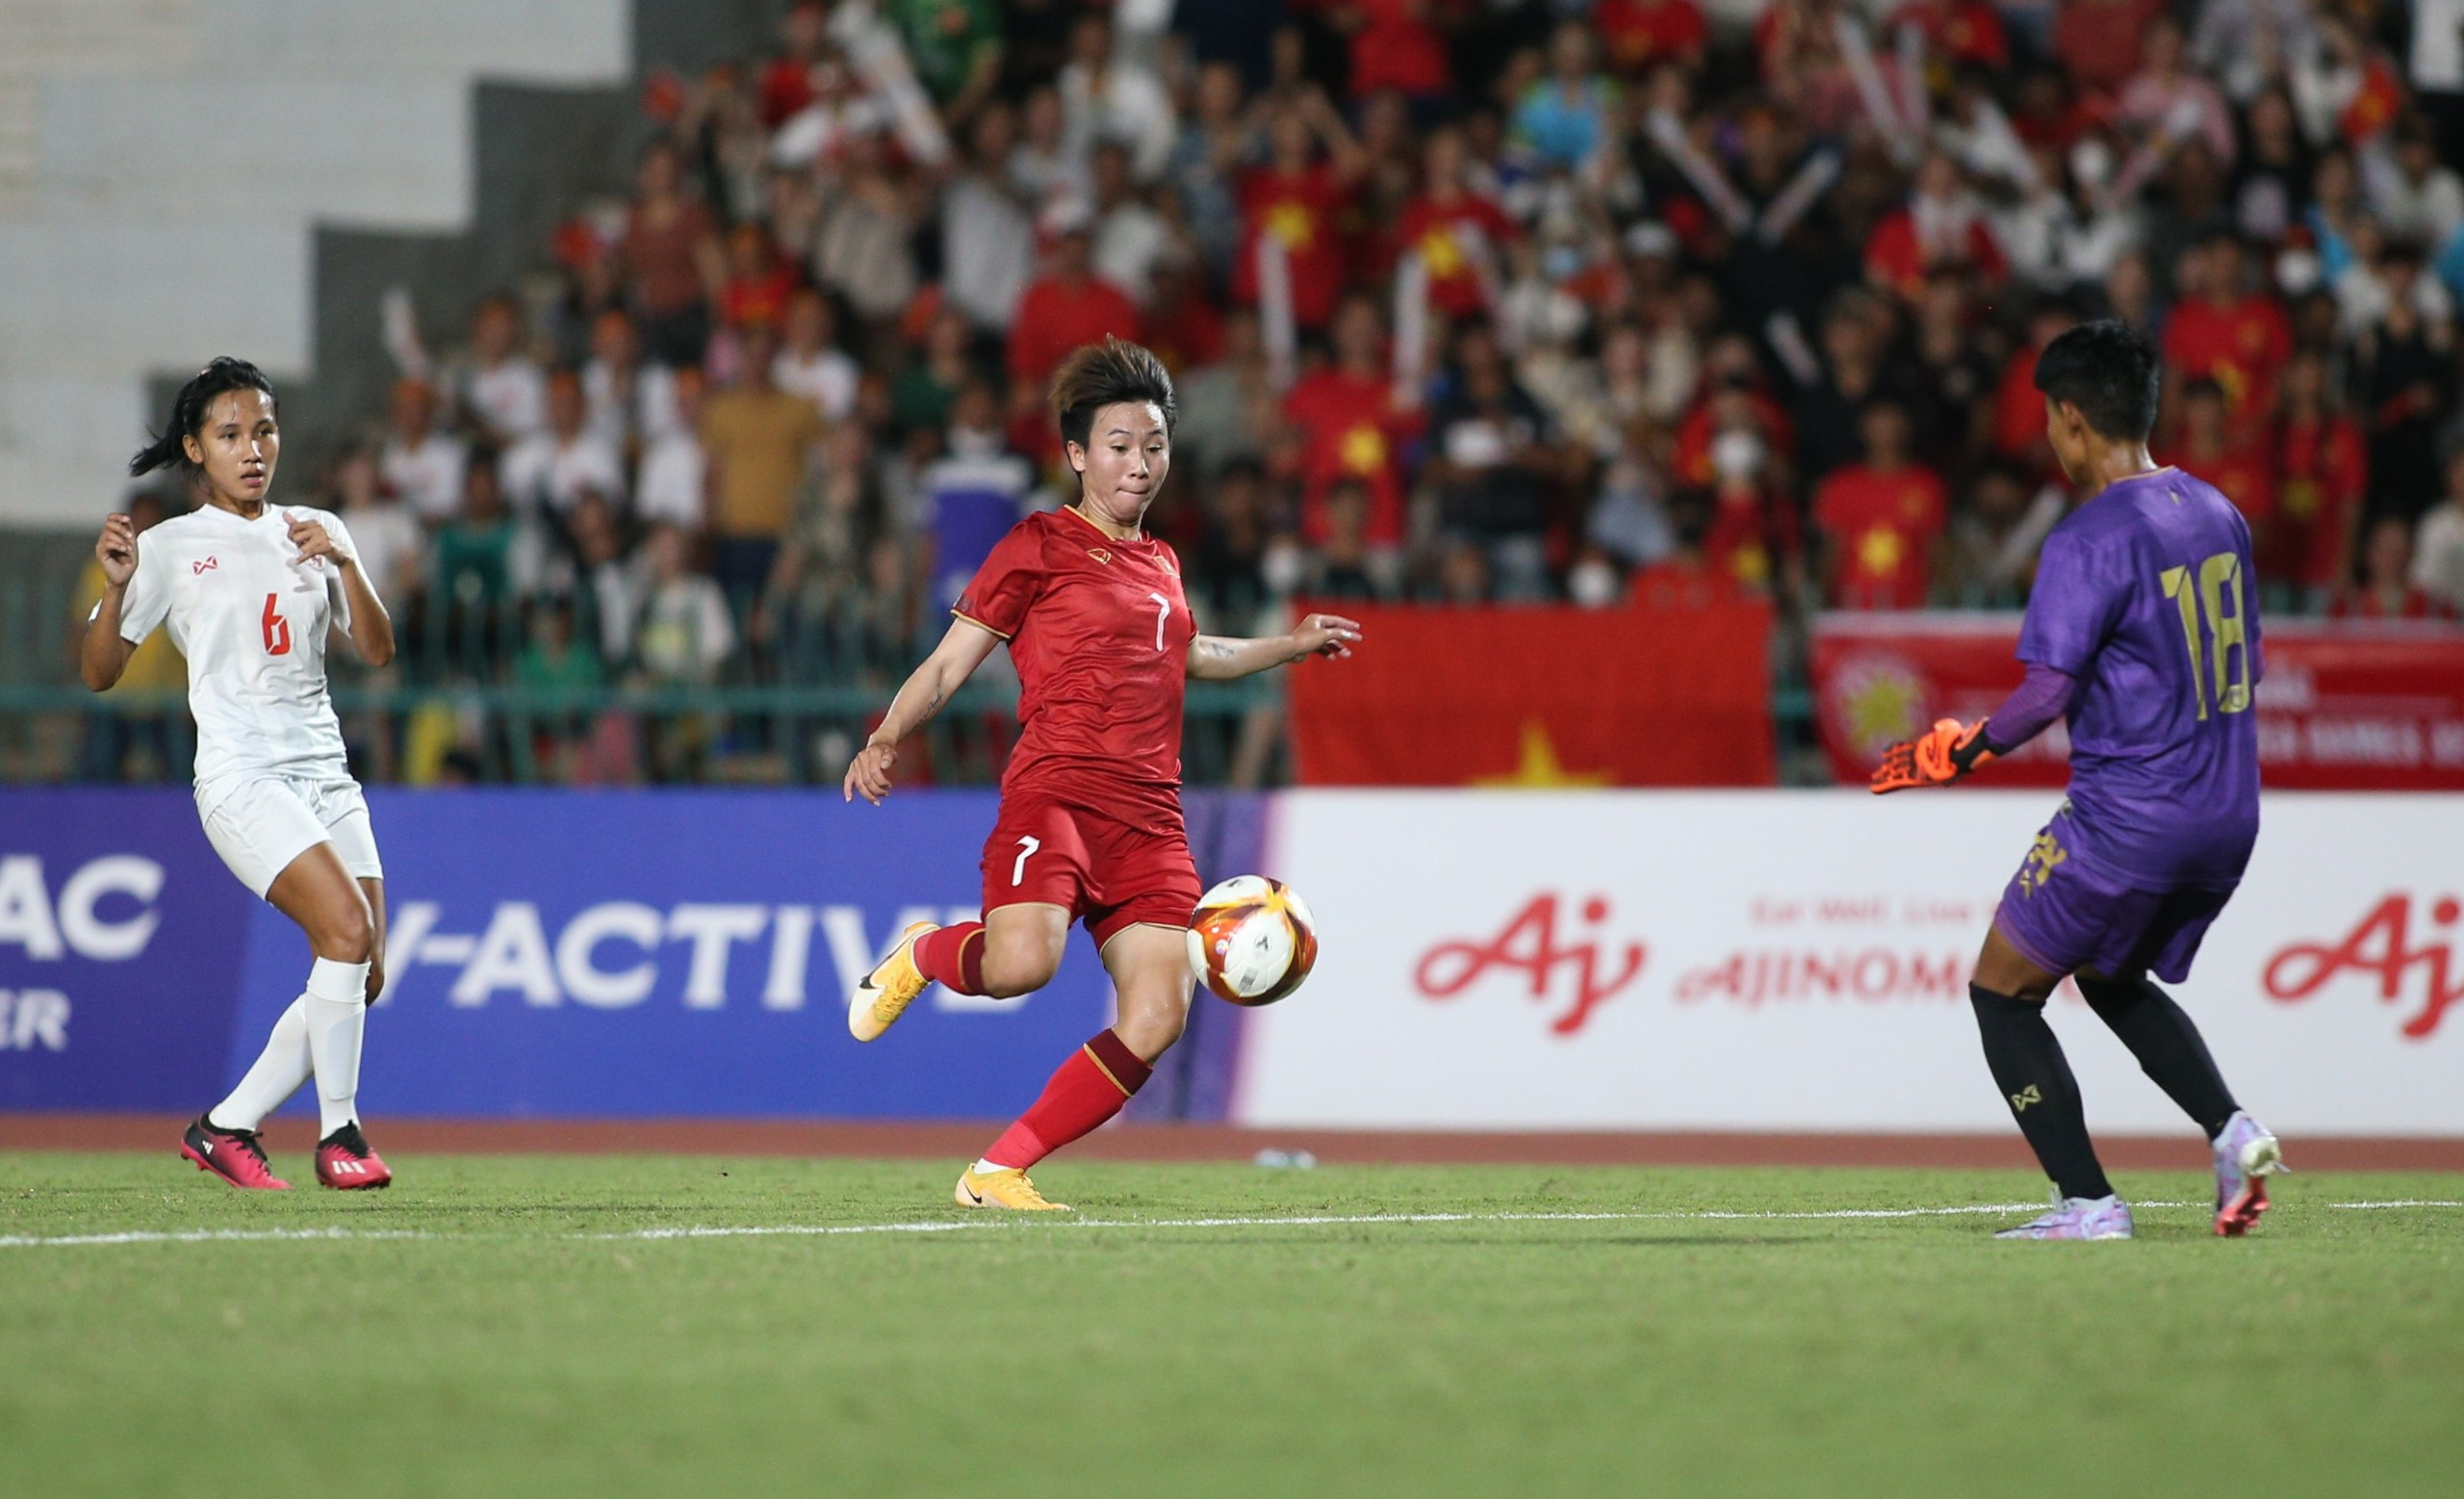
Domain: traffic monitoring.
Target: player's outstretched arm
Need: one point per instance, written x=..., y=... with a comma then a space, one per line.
x=1222, y=659
x=103, y=654
x=923, y=694
x=371, y=628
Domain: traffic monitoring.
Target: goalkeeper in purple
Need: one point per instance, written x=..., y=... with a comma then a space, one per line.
x=2142, y=632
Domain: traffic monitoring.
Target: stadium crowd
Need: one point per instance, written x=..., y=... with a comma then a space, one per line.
x=1469, y=301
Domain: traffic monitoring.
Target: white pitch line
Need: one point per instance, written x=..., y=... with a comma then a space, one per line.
x=2410, y=1201
x=947, y=1226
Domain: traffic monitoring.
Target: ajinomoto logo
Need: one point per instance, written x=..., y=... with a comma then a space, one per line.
x=2405, y=943
x=1560, y=949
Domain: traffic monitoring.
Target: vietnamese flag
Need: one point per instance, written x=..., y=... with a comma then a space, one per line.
x=1678, y=695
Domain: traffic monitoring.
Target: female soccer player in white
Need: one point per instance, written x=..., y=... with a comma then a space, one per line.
x=249, y=590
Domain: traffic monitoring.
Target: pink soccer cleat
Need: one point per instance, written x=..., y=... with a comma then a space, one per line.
x=2246, y=1155
x=233, y=1154
x=2077, y=1218
x=346, y=1163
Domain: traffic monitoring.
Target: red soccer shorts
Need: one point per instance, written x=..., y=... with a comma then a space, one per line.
x=1106, y=873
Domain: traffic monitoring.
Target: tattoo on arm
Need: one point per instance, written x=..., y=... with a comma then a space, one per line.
x=1215, y=650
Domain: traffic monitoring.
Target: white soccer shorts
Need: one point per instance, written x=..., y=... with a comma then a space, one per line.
x=263, y=822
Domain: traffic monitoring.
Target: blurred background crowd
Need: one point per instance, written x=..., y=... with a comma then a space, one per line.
x=1469, y=302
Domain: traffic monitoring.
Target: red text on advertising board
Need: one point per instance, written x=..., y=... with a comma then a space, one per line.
x=1529, y=946
x=2380, y=945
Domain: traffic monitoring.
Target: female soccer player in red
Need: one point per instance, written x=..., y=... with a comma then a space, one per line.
x=248, y=590
x=1090, y=825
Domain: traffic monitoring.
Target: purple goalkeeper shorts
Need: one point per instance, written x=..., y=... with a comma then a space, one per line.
x=2067, y=915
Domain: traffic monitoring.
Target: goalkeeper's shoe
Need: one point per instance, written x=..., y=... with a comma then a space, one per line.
x=1010, y=1189
x=346, y=1163
x=236, y=1155
x=1937, y=757
x=2246, y=1155
x=2077, y=1218
x=889, y=989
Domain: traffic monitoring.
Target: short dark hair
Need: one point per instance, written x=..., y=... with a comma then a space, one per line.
x=2110, y=371
x=189, y=411
x=1106, y=375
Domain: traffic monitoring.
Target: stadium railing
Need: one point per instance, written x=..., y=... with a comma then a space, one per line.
x=451, y=708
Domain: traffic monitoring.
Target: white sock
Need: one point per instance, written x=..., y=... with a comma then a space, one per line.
x=275, y=1075
x=336, y=1005
x=983, y=1167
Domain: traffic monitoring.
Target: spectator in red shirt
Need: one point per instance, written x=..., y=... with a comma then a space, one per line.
x=1393, y=46
x=1732, y=400
x=1063, y=308
x=786, y=84
x=2211, y=449
x=2323, y=468
x=2386, y=589
x=1642, y=34
x=2098, y=40
x=2223, y=333
x=758, y=283
x=669, y=258
x=1346, y=423
x=1881, y=519
x=1940, y=229
x=1301, y=201
x=2018, y=406
x=1460, y=235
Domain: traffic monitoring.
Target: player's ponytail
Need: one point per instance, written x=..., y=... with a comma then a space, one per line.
x=189, y=410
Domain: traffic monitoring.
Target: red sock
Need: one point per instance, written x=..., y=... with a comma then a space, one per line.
x=953, y=957
x=1088, y=1089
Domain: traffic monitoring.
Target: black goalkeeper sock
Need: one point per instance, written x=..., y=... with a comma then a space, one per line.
x=2036, y=1081
x=2168, y=1046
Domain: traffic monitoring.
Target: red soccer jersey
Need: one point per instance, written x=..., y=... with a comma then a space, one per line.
x=1883, y=526
x=1302, y=209
x=1752, y=533
x=1348, y=428
x=1643, y=34
x=1447, y=234
x=2018, y=410
x=1397, y=49
x=1896, y=257
x=1695, y=433
x=2322, y=470
x=1056, y=316
x=2242, y=472
x=1101, y=632
x=2241, y=347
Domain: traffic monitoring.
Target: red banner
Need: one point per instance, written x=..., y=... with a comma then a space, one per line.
x=1542, y=697
x=2343, y=707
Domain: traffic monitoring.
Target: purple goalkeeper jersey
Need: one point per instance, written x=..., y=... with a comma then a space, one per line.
x=2143, y=594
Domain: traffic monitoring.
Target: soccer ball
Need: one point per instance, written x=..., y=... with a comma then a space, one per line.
x=1252, y=940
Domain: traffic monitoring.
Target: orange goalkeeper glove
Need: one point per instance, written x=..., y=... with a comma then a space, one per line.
x=1937, y=757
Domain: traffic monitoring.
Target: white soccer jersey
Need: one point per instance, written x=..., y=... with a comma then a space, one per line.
x=251, y=618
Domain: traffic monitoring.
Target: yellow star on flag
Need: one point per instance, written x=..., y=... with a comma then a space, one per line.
x=1540, y=769
x=1879, y=550
x=1293, y=225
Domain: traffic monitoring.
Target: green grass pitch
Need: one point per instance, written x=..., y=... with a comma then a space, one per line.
x=508, y=1326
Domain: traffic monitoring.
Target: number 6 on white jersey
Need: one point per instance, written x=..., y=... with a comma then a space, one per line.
x=1163, y=612
x=1018, y=871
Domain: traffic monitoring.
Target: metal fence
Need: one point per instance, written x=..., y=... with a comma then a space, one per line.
x=478, y=693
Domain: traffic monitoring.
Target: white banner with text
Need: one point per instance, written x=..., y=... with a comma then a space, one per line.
x=1782, y=961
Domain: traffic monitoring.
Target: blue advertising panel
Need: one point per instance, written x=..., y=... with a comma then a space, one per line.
x=120, y=942
x=558, y=953
x=649, y=953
